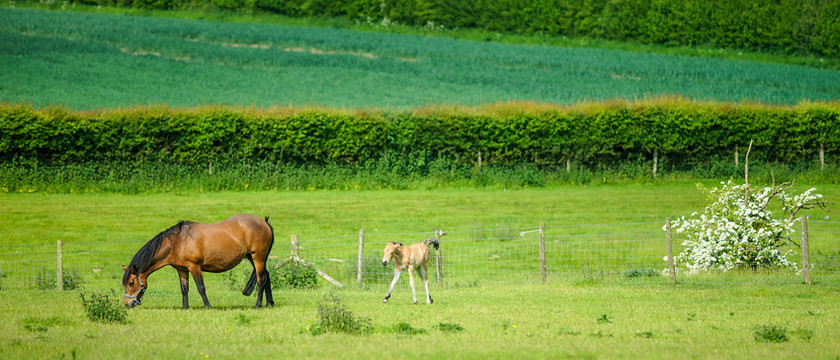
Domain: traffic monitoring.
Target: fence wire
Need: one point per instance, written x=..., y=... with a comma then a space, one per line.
x=579, y=254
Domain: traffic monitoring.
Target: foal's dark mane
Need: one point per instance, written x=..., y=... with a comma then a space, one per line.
x=142, y=260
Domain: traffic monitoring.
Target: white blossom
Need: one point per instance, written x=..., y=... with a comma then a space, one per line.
x=738, y=230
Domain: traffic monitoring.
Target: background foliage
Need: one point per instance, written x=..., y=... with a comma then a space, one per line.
x=803, y=27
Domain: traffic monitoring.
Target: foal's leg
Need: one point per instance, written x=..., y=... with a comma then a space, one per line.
x=397, y=273
x=411, y=281
x=199, y=283
x=185, y=288
x=425, y=276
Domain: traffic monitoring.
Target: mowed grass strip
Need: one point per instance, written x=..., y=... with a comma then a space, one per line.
x=91, y=61
x=534, y=321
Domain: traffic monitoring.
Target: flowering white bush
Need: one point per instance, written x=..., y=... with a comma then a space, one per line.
x=738, y=230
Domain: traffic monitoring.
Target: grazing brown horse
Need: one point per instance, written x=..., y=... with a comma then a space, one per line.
x=409, y=258
x=191, y=248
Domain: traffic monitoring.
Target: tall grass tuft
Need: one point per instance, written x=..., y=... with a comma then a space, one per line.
x=333, y=316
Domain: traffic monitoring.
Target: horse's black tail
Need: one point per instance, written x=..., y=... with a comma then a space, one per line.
x=432, y=242
x=252, y=281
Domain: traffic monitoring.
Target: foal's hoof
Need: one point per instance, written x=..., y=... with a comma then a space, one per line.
x=415, y=302
x=385, y=300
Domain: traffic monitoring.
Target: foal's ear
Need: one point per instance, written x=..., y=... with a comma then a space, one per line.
x=125, y=268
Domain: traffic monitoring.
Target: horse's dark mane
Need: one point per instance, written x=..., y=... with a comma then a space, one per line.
x=432, y=242
x=142, y=260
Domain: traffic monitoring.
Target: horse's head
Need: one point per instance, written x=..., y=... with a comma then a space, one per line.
x=389, y=252
x=135, y=286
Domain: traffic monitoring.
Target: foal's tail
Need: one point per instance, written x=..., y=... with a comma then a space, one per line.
x=252, y=281
x=432, y=242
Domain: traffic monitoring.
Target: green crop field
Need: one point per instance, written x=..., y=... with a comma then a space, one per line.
x=92, y=61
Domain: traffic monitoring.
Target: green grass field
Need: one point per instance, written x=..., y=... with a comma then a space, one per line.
x=91, y=61
x=514, y=321
x=514, y=318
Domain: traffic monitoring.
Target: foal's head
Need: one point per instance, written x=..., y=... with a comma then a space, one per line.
x=389, y=252
x=135, y=287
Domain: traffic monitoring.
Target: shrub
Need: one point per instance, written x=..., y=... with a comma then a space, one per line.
x=738, y=229
x=104, y=308
x=333, y=316
x=295, y=275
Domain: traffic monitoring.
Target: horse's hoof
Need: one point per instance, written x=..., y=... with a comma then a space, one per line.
x=385, y=301
x=415, y=303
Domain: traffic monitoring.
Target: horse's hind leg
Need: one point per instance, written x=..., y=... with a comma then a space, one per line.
x=185, y=288
x=269, y=297
x=397, y=273
x=411, y=282
x=263, y=283
x=425, y=276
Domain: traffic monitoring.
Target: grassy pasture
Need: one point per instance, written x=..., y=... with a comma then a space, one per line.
x=560, y=319
x=90, y=61
x=102, y=231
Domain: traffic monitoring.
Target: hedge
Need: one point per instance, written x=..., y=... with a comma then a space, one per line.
x=787, y=26
x=600, y=134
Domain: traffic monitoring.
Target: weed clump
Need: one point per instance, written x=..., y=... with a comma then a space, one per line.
x=407, y=329
x=449, y=328
x=770, y=333
x=333, y=316
x=100, y=307
x=639, y=273
x=70, y=280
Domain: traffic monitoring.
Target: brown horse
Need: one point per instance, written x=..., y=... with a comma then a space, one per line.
x=191, y=248
x=409, y=258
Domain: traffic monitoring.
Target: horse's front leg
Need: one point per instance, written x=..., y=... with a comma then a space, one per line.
x=199, y=284
x=411, y=282
x=425, y=276
x=397, y=273
x=184, y=276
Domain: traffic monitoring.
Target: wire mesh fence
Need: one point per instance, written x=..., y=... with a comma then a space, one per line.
x=579, y=254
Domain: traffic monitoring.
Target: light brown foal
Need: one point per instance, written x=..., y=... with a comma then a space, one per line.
x=414, y=257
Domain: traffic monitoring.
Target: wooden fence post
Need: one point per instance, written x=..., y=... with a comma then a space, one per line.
x=671, y=270
x=543, y=273
x=295, y=247
x=655, y=161
x=806, y=260
x=439, y=260
x=59, y=275
x=361, y=258
x=822, y=157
